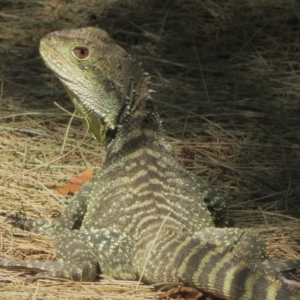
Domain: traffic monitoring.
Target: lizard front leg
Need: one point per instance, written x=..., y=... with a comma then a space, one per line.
x=70, y=218
x=216, y=204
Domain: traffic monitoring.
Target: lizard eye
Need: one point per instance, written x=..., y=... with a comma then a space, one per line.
x=81, y=52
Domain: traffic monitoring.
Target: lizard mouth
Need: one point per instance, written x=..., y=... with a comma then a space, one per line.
x=58, y=66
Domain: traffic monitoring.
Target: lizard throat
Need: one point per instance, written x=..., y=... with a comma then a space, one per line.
x=96, y=125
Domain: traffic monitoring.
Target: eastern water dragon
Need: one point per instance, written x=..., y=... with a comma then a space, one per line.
x=143, y=216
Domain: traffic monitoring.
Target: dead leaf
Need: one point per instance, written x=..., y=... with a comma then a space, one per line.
x=75, y=183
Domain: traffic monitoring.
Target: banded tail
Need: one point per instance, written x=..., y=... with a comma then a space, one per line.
x=214, y=270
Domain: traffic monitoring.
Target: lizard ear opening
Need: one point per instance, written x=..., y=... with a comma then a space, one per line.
x=81, y=52
x=109, y=86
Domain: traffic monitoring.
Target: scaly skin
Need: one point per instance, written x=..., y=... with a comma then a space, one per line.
x=143, y=216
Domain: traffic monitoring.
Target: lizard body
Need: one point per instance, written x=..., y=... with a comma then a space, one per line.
x=143, y=216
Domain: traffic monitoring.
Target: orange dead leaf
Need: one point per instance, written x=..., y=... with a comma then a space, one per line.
x=75, y=183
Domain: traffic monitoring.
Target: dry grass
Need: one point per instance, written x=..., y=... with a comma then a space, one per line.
x=227, y=76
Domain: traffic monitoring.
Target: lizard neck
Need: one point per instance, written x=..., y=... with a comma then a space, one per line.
x=140, y=128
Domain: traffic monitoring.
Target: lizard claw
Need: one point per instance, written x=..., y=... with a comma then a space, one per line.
x=17, y=220
x=186, y=292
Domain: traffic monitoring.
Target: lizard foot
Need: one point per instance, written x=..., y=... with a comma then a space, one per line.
x=17, y=220
x=290, y=282
x=43, y=226
x=186, y=292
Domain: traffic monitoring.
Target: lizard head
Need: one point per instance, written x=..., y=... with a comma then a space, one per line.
x=99, y=76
